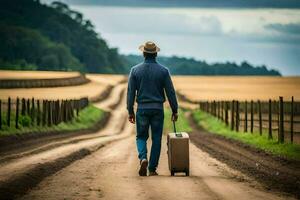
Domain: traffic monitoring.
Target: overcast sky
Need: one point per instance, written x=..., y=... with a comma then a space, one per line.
x=260, y=36
x=192, y=3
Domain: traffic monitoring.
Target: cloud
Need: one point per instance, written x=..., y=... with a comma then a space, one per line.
x=290, y=28
x=149, y=21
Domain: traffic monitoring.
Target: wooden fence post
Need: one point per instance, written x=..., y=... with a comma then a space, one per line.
x=38, y=118
x=216, y=104
x=77, y=108
x=281, y=121
x=292, y=120
x=251, y=116
x=214, y=108
x=270, y=120
x=219, y=109
x=206, y=102
x=71, y=110
x=58, y=111
x=226, y=113
x=237, y=116
x=53, y=112
x=67, y=111
x=32, y=115
x=259, y=117
x=28, y=107
x=62, y=108
x=49, y=113
x=8, y=111
x=246, y=118
x=0, y=114
x=44, y=113
x=23, y=109
x=222, y=110
x=208, y=105
x=17, y=113
x=232, y=115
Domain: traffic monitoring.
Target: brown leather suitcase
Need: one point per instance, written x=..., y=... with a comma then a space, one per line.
x=178, y=152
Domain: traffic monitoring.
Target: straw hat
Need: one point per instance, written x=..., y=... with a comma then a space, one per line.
x=149, y=47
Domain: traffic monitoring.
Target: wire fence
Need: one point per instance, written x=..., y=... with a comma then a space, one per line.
x=31, y=112
x=281, y=116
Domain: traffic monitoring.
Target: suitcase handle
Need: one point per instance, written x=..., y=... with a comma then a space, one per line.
x=176, y=134
x=174, y=126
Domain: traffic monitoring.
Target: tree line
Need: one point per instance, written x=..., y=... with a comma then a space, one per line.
x=52, y=37
x=190, y=66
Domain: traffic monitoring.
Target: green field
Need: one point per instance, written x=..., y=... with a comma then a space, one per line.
x=182, y=123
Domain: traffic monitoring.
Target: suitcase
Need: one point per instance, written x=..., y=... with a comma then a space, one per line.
x=178, y=152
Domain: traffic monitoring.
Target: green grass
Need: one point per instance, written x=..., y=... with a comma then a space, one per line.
x=86, y=119
x=213, y=125
x=182, y=124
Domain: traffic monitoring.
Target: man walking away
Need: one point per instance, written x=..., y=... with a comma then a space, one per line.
x=148, y=83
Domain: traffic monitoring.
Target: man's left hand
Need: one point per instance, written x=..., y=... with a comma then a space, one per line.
x=174, y=117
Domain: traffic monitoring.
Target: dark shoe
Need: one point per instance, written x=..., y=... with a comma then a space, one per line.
x=153, y=173
x=143, y=168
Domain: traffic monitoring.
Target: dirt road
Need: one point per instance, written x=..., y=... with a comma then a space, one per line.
x=111, y=173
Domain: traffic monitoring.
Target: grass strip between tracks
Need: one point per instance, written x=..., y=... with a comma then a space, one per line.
x=87, y=118
x=182, y=124
x=213, y=125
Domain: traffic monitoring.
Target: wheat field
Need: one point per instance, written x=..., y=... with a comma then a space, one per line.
x=16, y=74
x=193, y=87
x=94, y=88
x=237, y=87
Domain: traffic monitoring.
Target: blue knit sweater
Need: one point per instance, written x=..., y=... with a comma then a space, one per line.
x=148, y=82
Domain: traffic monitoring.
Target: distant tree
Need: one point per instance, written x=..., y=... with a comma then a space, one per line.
x=49, y=62
x=189, y=66
x=88, y=25
x=61, y=7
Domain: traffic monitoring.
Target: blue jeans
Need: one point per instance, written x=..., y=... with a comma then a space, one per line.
x=155, y=119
